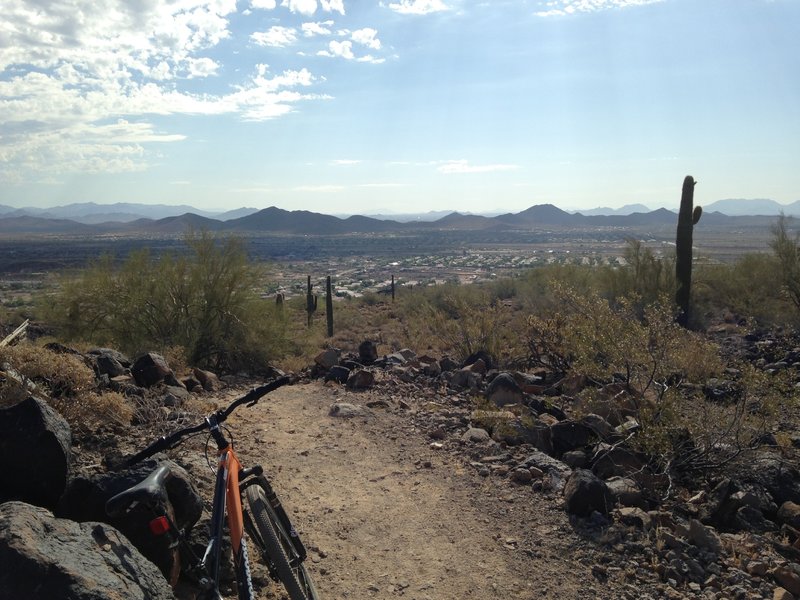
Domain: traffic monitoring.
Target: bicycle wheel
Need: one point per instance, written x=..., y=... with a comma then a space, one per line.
x=276, y=546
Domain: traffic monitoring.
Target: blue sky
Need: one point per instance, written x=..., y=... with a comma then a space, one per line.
x=340, y=106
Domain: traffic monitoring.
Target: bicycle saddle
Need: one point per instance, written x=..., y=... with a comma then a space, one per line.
x=150, y=492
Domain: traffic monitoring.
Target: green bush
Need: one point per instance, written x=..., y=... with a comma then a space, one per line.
x=205, y=301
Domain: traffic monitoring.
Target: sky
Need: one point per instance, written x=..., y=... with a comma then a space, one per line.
x=398, y=106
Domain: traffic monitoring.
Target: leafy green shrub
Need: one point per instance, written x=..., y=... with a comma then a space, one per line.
x=205, y=301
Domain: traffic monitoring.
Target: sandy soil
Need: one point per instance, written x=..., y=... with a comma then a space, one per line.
x=385, y=514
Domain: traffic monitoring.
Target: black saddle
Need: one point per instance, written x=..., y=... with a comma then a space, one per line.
x=150, y=492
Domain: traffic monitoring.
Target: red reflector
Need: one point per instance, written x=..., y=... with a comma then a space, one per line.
x=159, y=526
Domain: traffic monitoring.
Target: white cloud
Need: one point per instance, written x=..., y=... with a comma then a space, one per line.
x=418, y=7
x=345, y=162
x=276, y=36
x=264, y=4
x=462, y=166
x=332, y=6
x=342, y=49
x=367, y=37
x=79, y=82
x=555, y=8
x=312, y=29
x=304, y=7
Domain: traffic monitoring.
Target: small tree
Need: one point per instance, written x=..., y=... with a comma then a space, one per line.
x=204, y=301
x=785, y=248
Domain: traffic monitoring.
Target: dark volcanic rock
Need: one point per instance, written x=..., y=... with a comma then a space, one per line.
x=34, y=453
x=43, y=557
x=585, y=493
x=150, y=369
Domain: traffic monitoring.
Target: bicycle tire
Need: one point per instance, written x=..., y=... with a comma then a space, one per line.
x=276, y=544
x=244, y=579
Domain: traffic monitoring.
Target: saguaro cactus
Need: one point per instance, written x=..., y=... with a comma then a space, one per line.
x=392, y=288
x=329, y=305
x=311, y=302
x=687, y=218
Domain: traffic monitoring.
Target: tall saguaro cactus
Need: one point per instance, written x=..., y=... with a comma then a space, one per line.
x=311, y=302
x=329, y=305
x=687, y=218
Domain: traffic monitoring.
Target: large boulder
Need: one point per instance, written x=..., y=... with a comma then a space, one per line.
x=367, y=352
x=35, y=446
x=150, y=369
x=585, y=493
x=43, y=557
x=504, y=390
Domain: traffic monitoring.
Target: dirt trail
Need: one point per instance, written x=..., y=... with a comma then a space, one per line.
x=386, y=515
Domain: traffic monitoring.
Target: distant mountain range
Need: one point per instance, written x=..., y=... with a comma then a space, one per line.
x=122, y=212
x=89, y=218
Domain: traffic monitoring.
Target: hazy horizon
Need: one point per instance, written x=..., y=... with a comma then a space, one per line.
x=399, y=106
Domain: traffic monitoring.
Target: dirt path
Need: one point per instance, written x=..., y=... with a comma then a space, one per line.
x=386, y=515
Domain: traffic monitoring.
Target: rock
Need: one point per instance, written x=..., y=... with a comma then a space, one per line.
x=464, y=379
x=484, y=357
x=175, y=396
x=777, y=476
x=575, y=458
x=430, y=366
x=347, y=410
x=361, y=380
x=504, y=390
x=367, y=352
x=569, y=435
x=35, y=450
x=207, y=379
x=704, y=537
x=749, y=518
x=86, y=496
x=44, y=557
x=547, y=464
x=781, y=594
x=584, y=493
x=447, y=364
x=338, y=373
x=521, y=476
x=475, y=434
x=626, y=492
x=150, y=369
x=611, y=461
x=116, y=355
x=601, y=428
x=789, y=513
x=328, y=358
x=108, y=365
x=788, y=577
x=634, y=517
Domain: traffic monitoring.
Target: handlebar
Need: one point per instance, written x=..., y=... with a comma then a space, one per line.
x=173, y=439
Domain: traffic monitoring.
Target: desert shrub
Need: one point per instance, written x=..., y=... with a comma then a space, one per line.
x=785, y=248
x=657, y=365
x=645, y=275
x=750, y=288
x=464, y=319
x=205, y=301
x=65, y=382
x=59, y=375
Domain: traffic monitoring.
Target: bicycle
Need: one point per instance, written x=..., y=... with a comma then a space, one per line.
x=265, y=521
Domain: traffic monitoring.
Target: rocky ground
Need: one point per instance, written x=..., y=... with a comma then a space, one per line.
x=398, y=489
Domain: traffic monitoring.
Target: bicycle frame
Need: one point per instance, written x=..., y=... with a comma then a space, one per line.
x=227, y=499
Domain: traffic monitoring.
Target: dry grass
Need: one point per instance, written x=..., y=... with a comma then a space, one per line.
x=65, y=381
